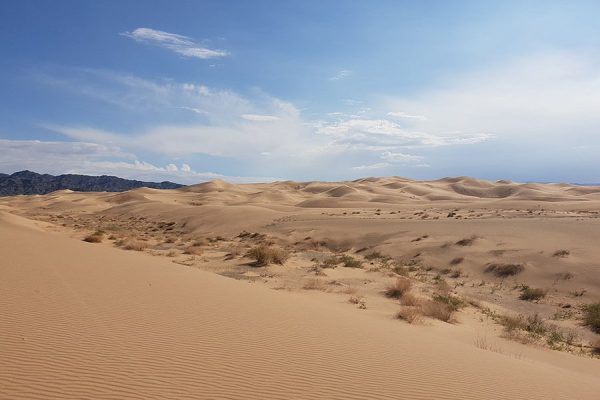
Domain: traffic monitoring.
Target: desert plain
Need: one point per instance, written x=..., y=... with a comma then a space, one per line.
x=378, y=288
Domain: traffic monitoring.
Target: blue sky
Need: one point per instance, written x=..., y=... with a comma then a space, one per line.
x=245, y=91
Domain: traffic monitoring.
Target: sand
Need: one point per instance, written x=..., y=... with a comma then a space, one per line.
x=84, y=320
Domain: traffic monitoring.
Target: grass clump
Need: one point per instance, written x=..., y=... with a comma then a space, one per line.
x=466, y=241
x=561, y=253
x=453, y=302
x=410, y=315
x=95, y=237
x=264, y=255
x=457, y=260
x=375, y=255
x=350, y=262
x=591, y=316
x=532, y=294
x=504, y=270
x=398, y=289
x=437, y=310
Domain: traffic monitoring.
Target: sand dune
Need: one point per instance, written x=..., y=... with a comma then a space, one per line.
x=82, y=320
x=85, y=321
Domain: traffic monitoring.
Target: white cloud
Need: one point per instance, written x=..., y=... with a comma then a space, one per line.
x=256, y=117
x=400, y=114
x=94, y=159
x=179, y=44
x=342, y=74
x=371, y=166
x=401, y=158
x=552, y=97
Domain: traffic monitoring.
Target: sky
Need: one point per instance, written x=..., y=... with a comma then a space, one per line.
x=246, y=91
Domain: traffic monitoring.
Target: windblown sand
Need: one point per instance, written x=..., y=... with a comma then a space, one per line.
x=90, y=320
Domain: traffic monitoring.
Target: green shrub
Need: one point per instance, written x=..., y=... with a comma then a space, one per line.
x=591, y=316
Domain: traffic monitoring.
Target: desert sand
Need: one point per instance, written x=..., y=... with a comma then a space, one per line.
x=164, y=301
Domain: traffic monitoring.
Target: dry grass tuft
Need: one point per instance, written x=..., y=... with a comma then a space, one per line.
x=457, y=260
x=398, y=289
x=264, y=255
x=95, y=237
x=437, y=310
x=410, y=314
x=591, y=316
x=134, y=245
x=466, y=241
x=503, y=270
x=532, y=294
x=561, y=253
x=410, y=300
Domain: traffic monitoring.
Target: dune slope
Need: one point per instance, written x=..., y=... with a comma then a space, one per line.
x=87, y=321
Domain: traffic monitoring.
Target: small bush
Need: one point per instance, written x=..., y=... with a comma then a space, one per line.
x=532, y=294
x=512, y=323
x=134, y=245
x=95, y=237
x=398, y=289
x=350, y=262
x=596, y=346
x=457, y=260
x=535, y=325
x=264, y=255
x=453, y=303
x=561, y=253
x=401, y=270
x=437, y=310
x=408, y=299
x=375, y=255
x=410, y=315
x=193, y=250
x=466, y=241
x=591, y=316
x=504, y=270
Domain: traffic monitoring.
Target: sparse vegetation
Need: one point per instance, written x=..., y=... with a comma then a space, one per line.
x=466, y=241
x=132, y=244
x=591, y=316
x=532, y=294
x=453, y=302
x=350, y=262
x=504, y=270
x=457, y=260
x=95, y=237
x=437, y=310
x=409, y=314
x=398, y=289
x=561, y=253
x=264, y=255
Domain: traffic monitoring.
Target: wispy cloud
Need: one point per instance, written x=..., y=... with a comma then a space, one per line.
x=257, y=117
x=371, y=166
x=180, y=44
x=400, y=114
x=342, y=74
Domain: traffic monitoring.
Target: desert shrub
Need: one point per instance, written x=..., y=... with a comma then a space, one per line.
x=408, y=299
x=95, y=237
x=134, y=245
x=437, y=310
x=595, y=345
x=561, y=253
x=264, y=255
x=330, y=262
x=535, y=325
x=350, y=262
x=512, y=323
x=591, y=316
x=398, y=289
x=457, y=260
x=503, y=270
x=466, y=241
x=375, y=255
x=453, y=302
x=409, y=314
x=532, y=294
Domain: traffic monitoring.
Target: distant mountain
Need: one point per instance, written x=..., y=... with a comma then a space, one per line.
x=27, y=182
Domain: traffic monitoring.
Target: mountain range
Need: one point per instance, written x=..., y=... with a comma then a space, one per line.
x=28, y=182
